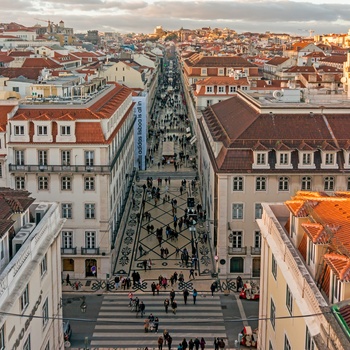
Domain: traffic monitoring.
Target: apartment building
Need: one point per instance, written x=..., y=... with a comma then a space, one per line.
x=30, y=272
x=78, y=150
x=263, y=147
x=305, y=289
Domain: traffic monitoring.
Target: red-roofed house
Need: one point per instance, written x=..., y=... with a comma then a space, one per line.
x=82, y=155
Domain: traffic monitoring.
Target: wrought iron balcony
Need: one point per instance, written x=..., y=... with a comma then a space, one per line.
x=237, y=251
x=90, y=251
x=71, y=251
x=59, y=168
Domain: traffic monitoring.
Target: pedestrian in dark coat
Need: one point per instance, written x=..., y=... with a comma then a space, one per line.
x=202, y=344
x=154, y=288
x=174, y=306
x=185, y=293
x=184, y=344
x=212, y=288
x=166, y=304
x=190, y=345
x=196, y=343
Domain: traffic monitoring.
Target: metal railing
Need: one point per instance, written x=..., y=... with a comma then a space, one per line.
x=237, y=251
x=59, y=168
x=255, y=250
x=90, y=251
x=71, y=251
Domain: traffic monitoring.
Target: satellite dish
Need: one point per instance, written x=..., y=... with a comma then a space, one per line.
x=343, y=80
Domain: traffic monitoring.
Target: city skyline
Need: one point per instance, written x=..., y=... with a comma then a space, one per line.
x=142, y=16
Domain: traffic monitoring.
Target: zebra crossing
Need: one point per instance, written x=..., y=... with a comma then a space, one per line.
x=118, y=327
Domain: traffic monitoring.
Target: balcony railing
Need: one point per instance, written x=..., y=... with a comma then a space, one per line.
x=59, y=168
x=71, y=251
x=237, y=251
x=255, y=250
x=90, y=251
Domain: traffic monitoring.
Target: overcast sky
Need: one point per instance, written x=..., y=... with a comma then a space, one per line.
x=142, y=16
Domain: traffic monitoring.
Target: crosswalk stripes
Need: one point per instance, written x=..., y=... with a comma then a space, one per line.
x=118, y=327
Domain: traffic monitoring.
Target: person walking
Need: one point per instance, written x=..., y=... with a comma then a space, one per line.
x=144, y=263
x=202, y=343
x=194, y=295
x=196, y=343
x=221, y=344
x=142, y=308
x=191, y=274
x=216, y=343
x=116, y=281
x=170, y=341
x=172, y=295
x=156, y=324
x=67, y=280
x=154, y=288
x=166, y=305
x=174, y=306
x=213, y=288
x=186, y=294
x=160, y=343
x=239, y=282
x=190, y=345
x=184, y=344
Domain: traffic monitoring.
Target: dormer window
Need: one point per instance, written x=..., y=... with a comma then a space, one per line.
x=19, y=130
x=42, y=130
x=209, y=89
x=65, y=130
x=260, y=159
x=204, y=71
x=306, y=158
x=221, y=89
x=233, y=89
x=283, y=159
x=346, y=159
x=221, y=71
x=329, y=159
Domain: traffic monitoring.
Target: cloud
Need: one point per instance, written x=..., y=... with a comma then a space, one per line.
x=143, y=16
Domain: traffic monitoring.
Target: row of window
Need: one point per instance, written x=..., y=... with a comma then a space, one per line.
x=68, y=239
x=43, y=157
x=41, y=130
x=238, y=211
x=66, y=183
x=89, y=210
x=284, y=183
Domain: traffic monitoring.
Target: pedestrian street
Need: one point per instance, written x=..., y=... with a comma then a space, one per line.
x=119, y=327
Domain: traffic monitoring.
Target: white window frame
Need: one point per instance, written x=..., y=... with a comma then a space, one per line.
x=258, y=211
x=237, y=211
x=45, y=312
x=260, y=184
x=19, y=157
x=204, y=71
x=90, y=239
x=66, y=183
x=257, y=239
x=233, y=89
x=65, y=130
x=43, y=183
x=274, y=267
x=221, y=72
x=89, y=158
x=209, y=89
x=43, y=265
x=272, y=313
x=306, y=183
x=89, y=183
x=66, y=157
x=27, y=345
x=329, y=183
x=307, y=158
x=283, y=184
x=20, y=182
x=90, y=211
x=287, y=345
x=329, y=158
x=18, y=130
x=284, y=158
x=67, y=210
x=237, y=239
x=221, y=89
x=67, y=239
x=261, y=158
x=238, y=184
x=42, y=130
x=24, y=299
x=289, y=300
x=309, y=342
x=42, y=157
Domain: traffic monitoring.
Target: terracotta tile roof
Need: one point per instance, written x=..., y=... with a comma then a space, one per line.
x=40, y=63
x=227, y=81
x=4, y=110
x=340, y=265
x=276, y=61
x=217, y=61
x=13, y=201
x=335, y=59
x=20, y=53
x=29, y=73
x=301, y=69
x=90, y=132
